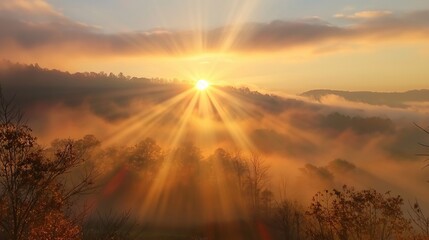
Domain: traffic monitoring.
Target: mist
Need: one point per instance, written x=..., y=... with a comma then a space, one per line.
x=307, y=144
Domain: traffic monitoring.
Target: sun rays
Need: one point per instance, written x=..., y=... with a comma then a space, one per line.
x=204, y=104
x=196, y=114
x=205, y=113
x=189, y=110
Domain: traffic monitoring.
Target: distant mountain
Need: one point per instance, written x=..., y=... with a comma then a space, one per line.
x=391, y=99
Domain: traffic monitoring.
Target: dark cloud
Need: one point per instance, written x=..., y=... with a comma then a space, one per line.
x=285, y=34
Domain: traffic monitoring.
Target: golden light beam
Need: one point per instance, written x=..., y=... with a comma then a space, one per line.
x=155, y=123
x=234, y=130
x=156, y=195
x=184, y=120
x=197, y=12
x=229, y=206
x=139, y=121
x=204, y=120
x=244, y=108
x=239, y=14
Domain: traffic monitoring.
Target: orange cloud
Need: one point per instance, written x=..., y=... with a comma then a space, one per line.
x=364, y=15
x=49, y=31
x=28, y=6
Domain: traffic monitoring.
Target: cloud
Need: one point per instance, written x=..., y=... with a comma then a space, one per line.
x=364, y=15
x=37, y=26
x=391, y=99
x=28, y=6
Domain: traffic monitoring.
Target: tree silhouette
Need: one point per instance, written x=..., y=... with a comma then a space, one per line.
x=110, y=226
x=420, y=220
x=146, y=155
x=425, y=145
x=289, y=218
x=256, y=180
x=234, y=168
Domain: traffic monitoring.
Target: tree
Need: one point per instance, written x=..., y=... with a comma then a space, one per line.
x=420, y=220
x=288, y=217
x=239, y=168
x=267, y=198
x=110, y=226
x=425, y=145
x=146, y=155
x=33, y=194
x=256, y=180
x=187, y=155
x=350, y=214
x=233, y=167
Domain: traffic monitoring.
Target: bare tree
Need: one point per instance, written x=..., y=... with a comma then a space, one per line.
x=420, y=220
x=256, y=180
x=288, y=217
x=110, y=226
x=235, y=165
x=239, y=168
x=423, y=144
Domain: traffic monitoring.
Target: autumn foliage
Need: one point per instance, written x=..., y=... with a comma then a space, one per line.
x=352, y=214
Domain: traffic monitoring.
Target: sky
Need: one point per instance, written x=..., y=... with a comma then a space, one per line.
x=139, y=15
x=280, y=46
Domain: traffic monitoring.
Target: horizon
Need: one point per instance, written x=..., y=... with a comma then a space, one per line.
x=191, y=82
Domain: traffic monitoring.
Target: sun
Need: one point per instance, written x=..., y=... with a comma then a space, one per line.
x=202, y=85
